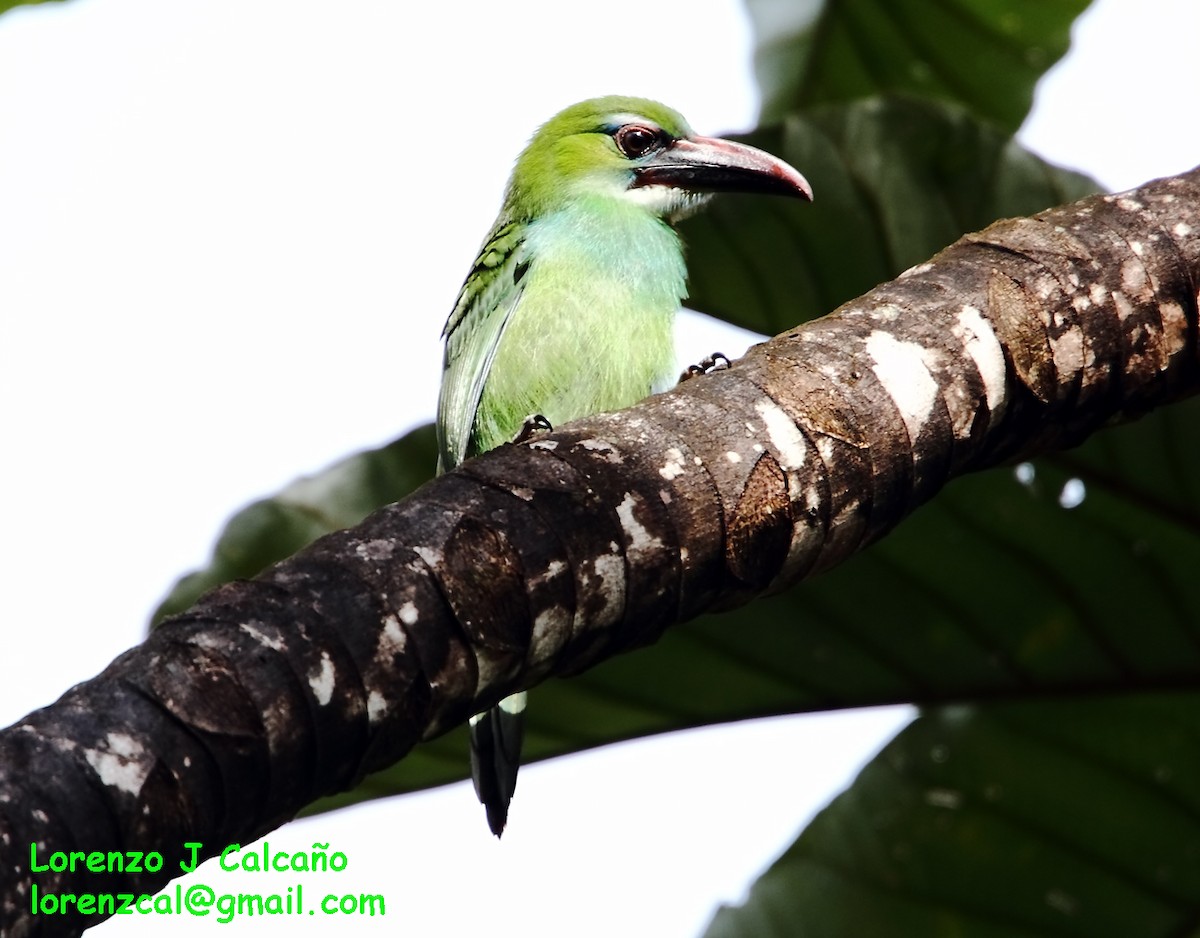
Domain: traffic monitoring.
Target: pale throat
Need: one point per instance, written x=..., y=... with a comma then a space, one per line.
x=612, y=245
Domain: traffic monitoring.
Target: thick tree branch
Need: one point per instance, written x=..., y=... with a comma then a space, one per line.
x=542, y=559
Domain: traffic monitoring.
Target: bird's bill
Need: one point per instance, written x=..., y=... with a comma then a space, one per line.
x=709, y=164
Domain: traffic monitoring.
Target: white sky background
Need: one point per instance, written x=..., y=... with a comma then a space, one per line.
x=229, y=236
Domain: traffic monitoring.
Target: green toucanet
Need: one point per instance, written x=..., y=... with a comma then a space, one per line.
x=568, y=309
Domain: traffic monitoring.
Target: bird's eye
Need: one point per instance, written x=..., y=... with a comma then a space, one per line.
x=634, y=140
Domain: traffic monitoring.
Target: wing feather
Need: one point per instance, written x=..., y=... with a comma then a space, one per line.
x=473, y=332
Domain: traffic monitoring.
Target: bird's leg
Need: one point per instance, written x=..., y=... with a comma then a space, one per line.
x=714, y=362
x=533, y=425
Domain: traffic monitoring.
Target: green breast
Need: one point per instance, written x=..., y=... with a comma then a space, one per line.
x=592, y=331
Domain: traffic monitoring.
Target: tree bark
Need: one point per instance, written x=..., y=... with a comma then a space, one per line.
x=544, y=558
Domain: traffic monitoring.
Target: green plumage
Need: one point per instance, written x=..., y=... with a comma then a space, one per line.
x=590, y=326
x=568, y=308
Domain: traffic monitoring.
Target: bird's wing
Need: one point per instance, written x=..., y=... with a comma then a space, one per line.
x=485, y=304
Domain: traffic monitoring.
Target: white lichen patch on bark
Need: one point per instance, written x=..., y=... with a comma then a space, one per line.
x=900, y=368
x=1175, y=327
x=605, y=449
x=377, y=707
x=1044, y=287
x=1122, y=304
x=806, y=538
x=124, y=764
x=1182, y=229
x=1067, y=349
x=551, y=629
x=321, y=680
x=673, y=468
x=548, y=445
x=1133, y=278
x=733, y=456
x=886, y=312
x=981, y=343
x=609, y=568
x=430, y=555
x=957, y=391
x=640, y=539
x=917, y=269
x=408, y=613
x=377, y=549
x=267, y=641
x=392, y=640
x=783, y=434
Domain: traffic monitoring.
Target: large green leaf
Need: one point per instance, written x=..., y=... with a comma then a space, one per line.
x=984, y=54
x=896, y=180
x=6, y=5
x=1032, y=819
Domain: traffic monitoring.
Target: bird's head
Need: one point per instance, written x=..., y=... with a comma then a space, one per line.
x=642, y=152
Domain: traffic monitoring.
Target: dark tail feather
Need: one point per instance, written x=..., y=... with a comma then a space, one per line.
x=496, y=738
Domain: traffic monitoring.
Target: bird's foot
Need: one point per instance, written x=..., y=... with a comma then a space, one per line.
x=533, y=425
x=714, y=362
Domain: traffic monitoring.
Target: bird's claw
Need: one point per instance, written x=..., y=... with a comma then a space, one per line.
x=714, y=362
x=533, y=425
